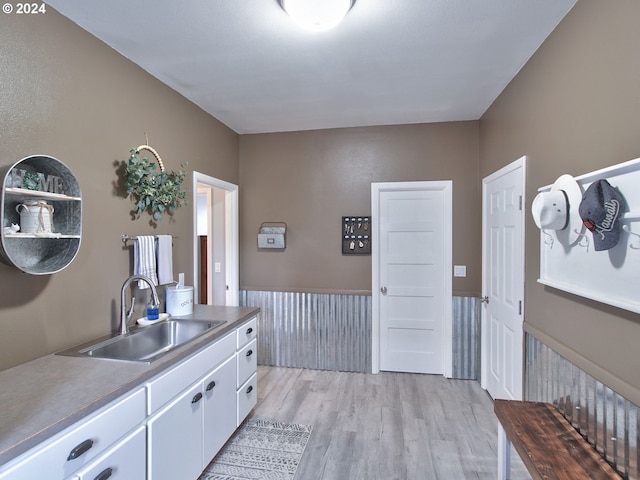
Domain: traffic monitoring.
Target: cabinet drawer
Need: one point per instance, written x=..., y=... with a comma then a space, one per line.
x=124, y=461
x=247, y=332
x=247, y=362
x=86, y=439
x=247, y=397
x=165, y=387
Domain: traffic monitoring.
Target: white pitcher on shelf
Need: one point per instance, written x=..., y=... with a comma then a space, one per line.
x=35, y=217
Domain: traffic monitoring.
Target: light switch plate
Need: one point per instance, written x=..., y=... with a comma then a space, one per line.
x=459, y=270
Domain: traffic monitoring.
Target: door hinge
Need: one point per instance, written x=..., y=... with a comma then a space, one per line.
x=519, y=307
x=520, y=203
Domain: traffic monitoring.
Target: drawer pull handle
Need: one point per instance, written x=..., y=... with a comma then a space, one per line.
x=211, y=386
x=103, y=475
x=197, y=398
x=249, y=353
x=250, y=389
x=249, y=331
x=80, y=449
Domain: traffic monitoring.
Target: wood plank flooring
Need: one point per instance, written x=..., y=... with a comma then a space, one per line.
x=387, y=426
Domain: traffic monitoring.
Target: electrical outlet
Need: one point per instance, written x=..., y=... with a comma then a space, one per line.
x=459, y=270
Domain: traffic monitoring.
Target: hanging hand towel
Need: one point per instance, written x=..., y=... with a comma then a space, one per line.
x=144, y=259
x=164, y=259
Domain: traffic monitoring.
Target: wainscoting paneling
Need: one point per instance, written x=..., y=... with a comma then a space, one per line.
x=606, y=419
x=333, y=331
x=466, y=338
x=313, y=330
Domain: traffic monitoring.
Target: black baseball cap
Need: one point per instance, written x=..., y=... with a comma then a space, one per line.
x=600, y=210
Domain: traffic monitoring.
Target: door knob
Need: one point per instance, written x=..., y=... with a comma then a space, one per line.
x=485, y=299
x=383, y=290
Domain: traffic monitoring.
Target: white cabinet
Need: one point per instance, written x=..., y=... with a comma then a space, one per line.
x=175, y=438
x=66, y=453
x=166, y=386
x=246, y=378
x=247, y=362
x=124, y=461
x=169, y=429
x=219, y=412
x=246, y=333
x=247, y=396
x=187, y=432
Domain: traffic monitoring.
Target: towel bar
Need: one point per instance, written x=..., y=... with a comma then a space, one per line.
x=125, y=238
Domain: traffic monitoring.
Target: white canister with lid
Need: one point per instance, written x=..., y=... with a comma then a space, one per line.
x=179, y=300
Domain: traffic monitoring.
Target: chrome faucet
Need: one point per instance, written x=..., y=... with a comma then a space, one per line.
x=126, y=317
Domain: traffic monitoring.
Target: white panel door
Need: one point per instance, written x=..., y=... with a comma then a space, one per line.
x=503, y=281
x=413, y=276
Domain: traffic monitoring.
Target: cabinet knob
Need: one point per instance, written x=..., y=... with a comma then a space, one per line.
x=210, y=386
x=80, y=449
x=250, y=389
x=103, y=475
x=249, y=331
x=197, y=397
x=249, y=353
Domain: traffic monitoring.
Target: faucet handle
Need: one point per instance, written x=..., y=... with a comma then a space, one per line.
x=130, y=312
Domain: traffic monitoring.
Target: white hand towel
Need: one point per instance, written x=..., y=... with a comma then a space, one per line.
x=144, y=259
x=164, y=259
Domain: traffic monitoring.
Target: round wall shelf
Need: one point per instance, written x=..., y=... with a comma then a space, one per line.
x=44, y=180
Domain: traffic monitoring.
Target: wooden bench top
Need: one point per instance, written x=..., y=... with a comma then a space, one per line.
x=547, y=443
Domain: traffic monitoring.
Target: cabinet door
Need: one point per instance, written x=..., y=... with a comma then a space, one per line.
x=175, y=438
x=219, y=408
x=125, y=461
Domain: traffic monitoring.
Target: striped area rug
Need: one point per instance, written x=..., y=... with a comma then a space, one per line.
x=261, y=449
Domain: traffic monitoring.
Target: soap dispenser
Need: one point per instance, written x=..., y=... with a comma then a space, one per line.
x=153, y=311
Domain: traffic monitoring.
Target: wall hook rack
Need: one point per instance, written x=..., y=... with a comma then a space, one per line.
x=607, y=275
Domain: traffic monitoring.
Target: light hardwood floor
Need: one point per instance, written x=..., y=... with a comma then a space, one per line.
x=386, y=426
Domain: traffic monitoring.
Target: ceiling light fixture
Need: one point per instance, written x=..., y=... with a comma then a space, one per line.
x=317, y=15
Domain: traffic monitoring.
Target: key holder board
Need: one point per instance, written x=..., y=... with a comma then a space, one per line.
x=356, y=235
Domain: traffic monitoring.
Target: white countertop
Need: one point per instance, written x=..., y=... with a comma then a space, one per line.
x=40, y=398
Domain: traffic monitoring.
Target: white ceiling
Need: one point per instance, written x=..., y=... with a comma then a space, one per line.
x=389, y=62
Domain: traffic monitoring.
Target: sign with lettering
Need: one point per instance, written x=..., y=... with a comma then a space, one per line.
x=20, y=178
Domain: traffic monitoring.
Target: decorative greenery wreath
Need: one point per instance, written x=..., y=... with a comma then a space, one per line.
x=158, y=193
